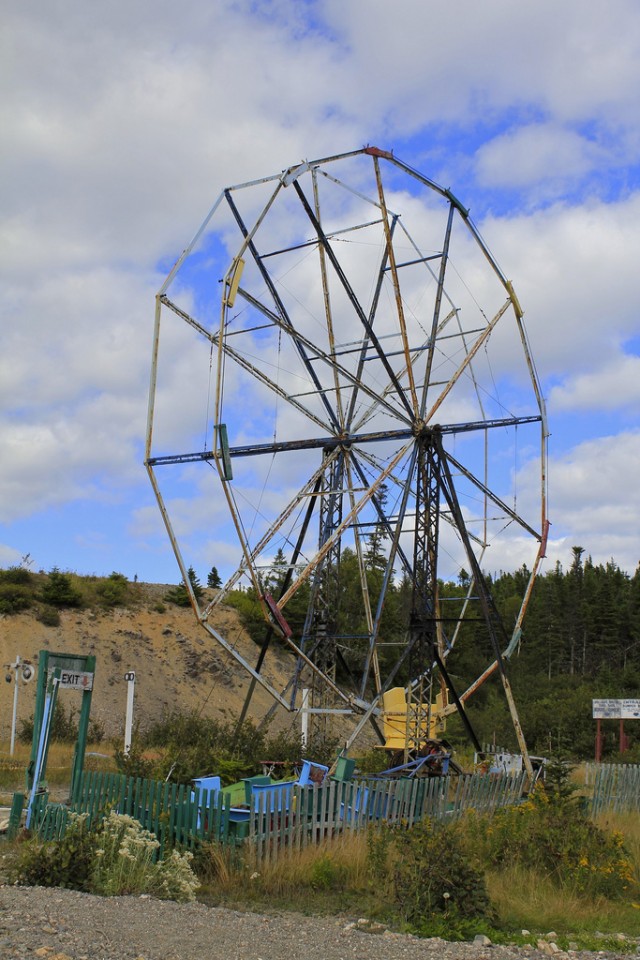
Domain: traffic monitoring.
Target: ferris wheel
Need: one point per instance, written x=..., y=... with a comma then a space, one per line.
x=342, y=380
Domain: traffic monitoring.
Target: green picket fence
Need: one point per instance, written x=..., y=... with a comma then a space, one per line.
x=177, y=814
x=281, y=818
x=616, y=788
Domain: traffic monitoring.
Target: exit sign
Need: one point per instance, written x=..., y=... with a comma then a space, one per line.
x=76, y=680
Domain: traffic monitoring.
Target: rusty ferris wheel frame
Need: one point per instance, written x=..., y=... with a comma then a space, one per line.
x=348, y=306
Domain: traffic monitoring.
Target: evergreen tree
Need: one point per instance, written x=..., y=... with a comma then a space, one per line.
x=179, y=594
x=274, y=580
x=59, y=590
x=213, y=579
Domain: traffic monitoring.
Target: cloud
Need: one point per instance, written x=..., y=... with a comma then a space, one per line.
x=123, y=122
x=74, y=373
x=575, y=272
x=595, y=500
x=470, y=61
x=537, y=152
x=614, y=386
x=9, y=556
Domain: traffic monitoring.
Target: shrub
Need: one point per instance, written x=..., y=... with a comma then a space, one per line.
x=194, y=745
x=62, y=863
x=373, y=761
x=134, y=763
x=113, y=591
x=116, y=859
x=123, y=858
x=49, y=616
x=435, y=879
x=14, y=597
x=326, y=874
x=96, y=731
x=558, y=840
x=179, y=595
x=16, y=575
x=59, y=591
x=64, y=728
x=174, y=878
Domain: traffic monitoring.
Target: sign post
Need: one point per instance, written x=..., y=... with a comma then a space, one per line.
x=130, y=677
x=614, y=710
x=21, y=671
x=75, y=672
x=304, y=712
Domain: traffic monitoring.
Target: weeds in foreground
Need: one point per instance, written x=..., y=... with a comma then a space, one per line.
x=522, y=868
x=562, y=845
x=436, y=881
x=526, y=900
x=115, y=860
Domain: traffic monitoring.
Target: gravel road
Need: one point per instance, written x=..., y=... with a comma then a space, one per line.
x=60, y=924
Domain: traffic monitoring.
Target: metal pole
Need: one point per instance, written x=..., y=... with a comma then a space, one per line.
x=14, y=667
x=128, y=723
x=305, y=717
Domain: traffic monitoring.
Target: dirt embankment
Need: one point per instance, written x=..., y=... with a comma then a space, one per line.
x=178, y=664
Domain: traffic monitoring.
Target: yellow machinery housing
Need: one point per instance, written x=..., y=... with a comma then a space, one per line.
x=394, y=720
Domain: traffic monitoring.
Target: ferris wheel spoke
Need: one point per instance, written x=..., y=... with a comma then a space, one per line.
x=241, y=360
x=380, y=398
x=400, y=392
x=396, y=287
x=466, y=362
x=281, y=310
x=483, y=488
x=394, y=531
x=251, y=554
x=326, y=296
x=436, y=310
x=315, y=352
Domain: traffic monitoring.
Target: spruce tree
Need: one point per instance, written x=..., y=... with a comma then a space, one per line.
x=179, y=595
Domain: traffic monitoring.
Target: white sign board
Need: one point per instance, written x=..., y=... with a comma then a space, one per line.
x=606, y=709
x=76, y=680
x=616, y=709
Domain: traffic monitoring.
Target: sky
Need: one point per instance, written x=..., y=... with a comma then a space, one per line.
x=122, y=122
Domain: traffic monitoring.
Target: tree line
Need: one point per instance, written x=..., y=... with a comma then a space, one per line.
x=580, y=641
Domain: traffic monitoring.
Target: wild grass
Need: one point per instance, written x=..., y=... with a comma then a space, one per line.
x=335, y=877
x=13, y=768
x=525, y=899
x=355, y=874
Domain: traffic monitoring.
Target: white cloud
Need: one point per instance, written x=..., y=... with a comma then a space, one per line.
x=470, y=59
x=614, y=386
x=575, y=272
x=9, y=556
x=595, y=500
x=537, y=152
x=122, y=123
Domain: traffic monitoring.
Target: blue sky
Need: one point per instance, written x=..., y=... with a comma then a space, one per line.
x=123, y=122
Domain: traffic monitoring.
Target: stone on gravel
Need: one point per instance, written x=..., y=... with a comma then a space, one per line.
x=131, y=928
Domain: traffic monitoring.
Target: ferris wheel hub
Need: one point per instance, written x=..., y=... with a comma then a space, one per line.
x=423, y=430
